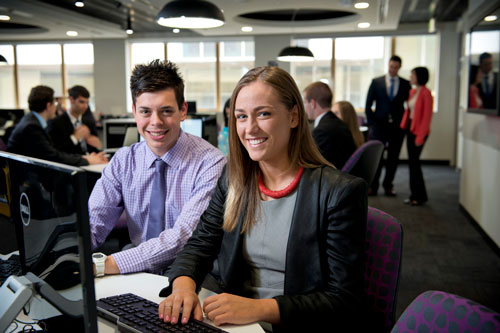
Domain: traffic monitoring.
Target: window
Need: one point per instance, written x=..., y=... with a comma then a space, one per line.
x=305, y=73
x=355, y=67
x=79, y=61
x=7, y=91
x=196, y=61
x=236, y=58
x=143, y=53
x=38, y=64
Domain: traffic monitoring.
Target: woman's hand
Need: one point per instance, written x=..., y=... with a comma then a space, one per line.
x=232, y=309
x=183, y=296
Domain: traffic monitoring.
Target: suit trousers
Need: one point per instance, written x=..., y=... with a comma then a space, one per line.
x=417, y=184
x=392, y=137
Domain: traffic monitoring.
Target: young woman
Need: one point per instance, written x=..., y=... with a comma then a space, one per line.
x=345, y=111
x=417, y=122
x=287, y=228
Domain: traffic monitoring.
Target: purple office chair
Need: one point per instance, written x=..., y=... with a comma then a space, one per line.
x=364, y=161
x=438, y=311
x=383, y=248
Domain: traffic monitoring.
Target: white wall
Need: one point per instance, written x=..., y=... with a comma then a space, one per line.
x=110, y=77
x=268, y=47
x=479, y=138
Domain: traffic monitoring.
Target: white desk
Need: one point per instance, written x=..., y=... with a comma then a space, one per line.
x=148, y=286
x=97, y=168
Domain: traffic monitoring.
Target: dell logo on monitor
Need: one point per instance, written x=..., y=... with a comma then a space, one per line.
x=24, y=207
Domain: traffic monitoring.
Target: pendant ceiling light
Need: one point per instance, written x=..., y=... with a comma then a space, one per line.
x=2, y=59
x=190, y=14
x=295, y=53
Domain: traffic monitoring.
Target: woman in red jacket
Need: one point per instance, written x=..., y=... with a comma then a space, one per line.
x=417, y=122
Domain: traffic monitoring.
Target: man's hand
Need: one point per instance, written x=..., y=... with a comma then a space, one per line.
x=96, y=158
x=81, y=132
x=94, y=141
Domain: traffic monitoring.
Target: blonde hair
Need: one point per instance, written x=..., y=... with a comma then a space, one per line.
x=349, y=117
x=243, y=197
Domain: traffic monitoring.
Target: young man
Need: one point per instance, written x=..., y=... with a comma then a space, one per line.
x=29, y=137
x=389, y=92
x=71, y=132
x=332, y=136
x=163, y=184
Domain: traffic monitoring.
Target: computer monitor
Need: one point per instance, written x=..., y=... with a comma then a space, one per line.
x=48, y=204
x=191, y=107
x=201, y=125
x=114, y=131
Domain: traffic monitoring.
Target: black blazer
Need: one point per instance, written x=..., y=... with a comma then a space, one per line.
x=324, y=256
x=60, y=130
x=489, y=101
x=334, y=140
x=30, y=139
x=385, y=108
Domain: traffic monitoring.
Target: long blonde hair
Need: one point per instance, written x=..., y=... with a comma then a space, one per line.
x=243, y=194
x=348, y=115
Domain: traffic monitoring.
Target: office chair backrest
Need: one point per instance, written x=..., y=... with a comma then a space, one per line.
x=364, y=161
x=131, y=136
x=438, y=311
x=383, y=249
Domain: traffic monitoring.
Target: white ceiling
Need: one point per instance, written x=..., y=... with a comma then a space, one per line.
x=57, y=20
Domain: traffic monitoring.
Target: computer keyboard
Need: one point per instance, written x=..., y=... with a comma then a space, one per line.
x=9, y=266
x=135, y=314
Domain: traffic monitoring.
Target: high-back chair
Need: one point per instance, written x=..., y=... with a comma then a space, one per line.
x=383, y=249
x=438, y=311
x=364, y=161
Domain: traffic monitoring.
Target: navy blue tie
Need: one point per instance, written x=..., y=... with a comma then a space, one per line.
x=156, y=222
x=391, y=90
x=486, y=86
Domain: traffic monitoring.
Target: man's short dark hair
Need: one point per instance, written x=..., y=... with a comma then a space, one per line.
x=422, y=74
x=39, y=97
x=320, y=92
x=396, y=58
x=78, y=91
x=483, y=56
x=156, y=76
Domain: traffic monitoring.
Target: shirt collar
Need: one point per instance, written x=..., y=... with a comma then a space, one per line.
x=173, y=157
x=318, y=119
x=73, y=119
x=40, y=119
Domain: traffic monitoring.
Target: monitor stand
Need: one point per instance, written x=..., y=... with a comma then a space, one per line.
x=17, y=291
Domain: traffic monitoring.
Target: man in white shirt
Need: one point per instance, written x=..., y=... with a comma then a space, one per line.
x=70, y=131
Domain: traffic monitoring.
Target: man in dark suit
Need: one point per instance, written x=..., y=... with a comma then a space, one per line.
x=389, y=93
x=71, y=132
x=333, y=137
x=30, y=139
x=488, y=85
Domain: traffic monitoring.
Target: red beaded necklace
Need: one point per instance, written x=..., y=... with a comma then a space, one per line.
x=284, y=192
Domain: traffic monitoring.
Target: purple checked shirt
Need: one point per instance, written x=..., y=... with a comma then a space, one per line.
x=193, y=168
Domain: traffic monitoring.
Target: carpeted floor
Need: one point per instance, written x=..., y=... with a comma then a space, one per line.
x=442, y=249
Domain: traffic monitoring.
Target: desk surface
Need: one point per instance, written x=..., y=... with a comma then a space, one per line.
x=148, y=286
x=97, y=168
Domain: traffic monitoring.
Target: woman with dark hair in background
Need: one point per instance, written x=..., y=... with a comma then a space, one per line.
x=475, y=100
x=286, y=227
x=417, y=122
x=345, y=111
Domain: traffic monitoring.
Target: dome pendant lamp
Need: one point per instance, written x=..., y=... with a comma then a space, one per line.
x=190, y=14
x=295, y=53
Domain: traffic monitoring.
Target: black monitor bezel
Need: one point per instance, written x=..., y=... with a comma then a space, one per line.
x=79, y=177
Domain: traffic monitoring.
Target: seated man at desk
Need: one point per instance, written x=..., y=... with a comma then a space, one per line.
x=71, y=132
x=163, y=184
x=30, y=138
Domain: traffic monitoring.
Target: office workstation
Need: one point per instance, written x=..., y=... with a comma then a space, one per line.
x=457, y=219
